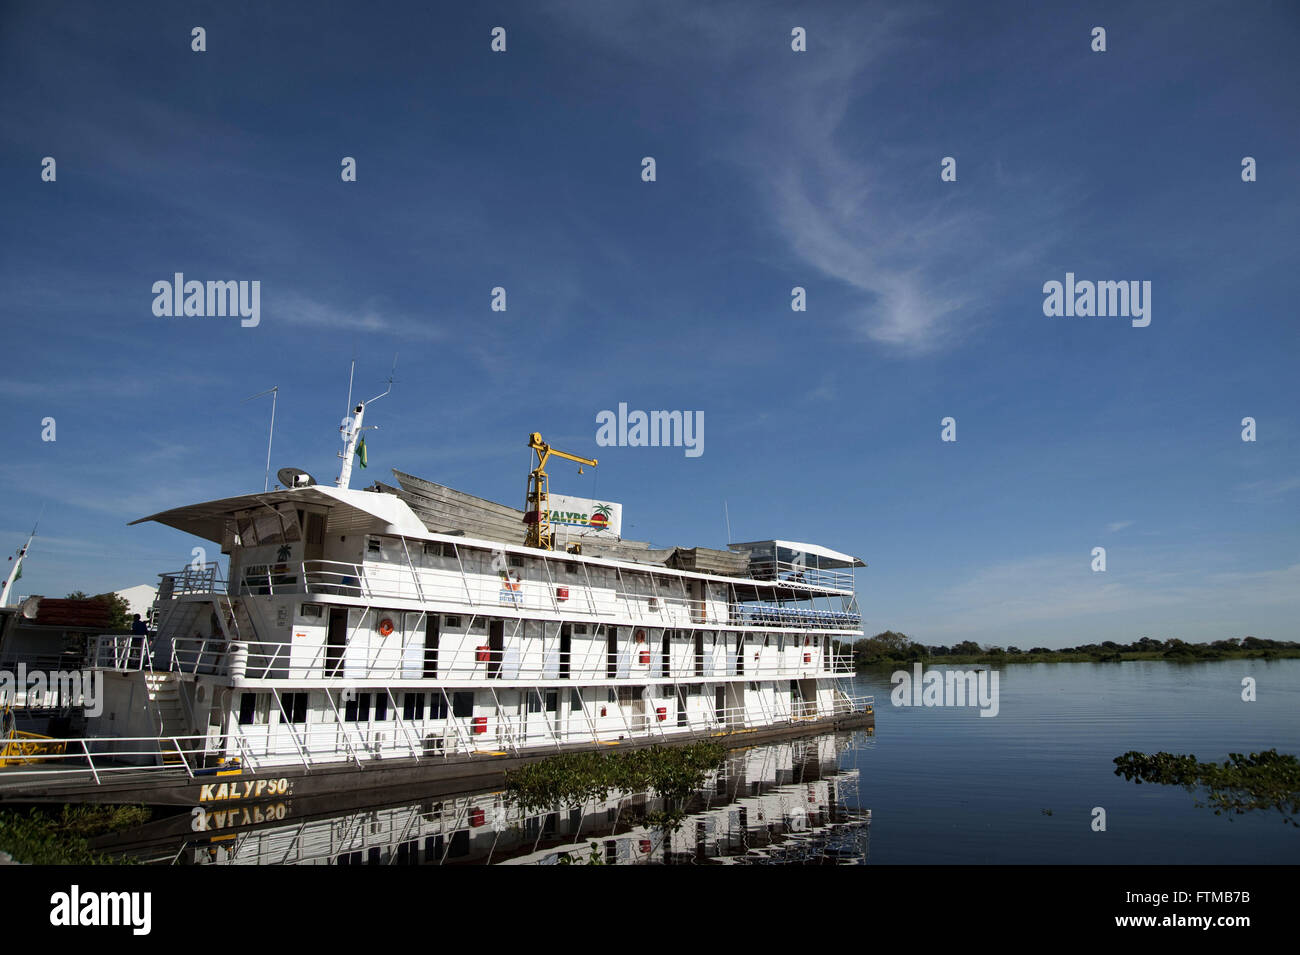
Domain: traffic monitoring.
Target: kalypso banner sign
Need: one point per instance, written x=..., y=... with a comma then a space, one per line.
x=575, y=517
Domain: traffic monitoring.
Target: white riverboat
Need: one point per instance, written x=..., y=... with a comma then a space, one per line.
x=411, y=625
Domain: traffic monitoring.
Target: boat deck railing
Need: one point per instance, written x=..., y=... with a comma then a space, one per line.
x=637, y=596
x=192, y=579
x=776, y=615
x=768, y=568
x=476, y=662
x=122, y=651
x=217, y=757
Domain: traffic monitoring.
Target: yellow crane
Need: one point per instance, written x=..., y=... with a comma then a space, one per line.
x=537, y=512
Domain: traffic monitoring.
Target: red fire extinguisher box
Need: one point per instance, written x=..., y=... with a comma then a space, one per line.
x=661, y=713
x=480, y=725
x=482, y=654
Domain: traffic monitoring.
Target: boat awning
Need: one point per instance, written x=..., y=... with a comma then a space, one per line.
x=773, y=548
x=350, y=511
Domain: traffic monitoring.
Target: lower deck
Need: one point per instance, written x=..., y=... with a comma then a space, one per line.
x=266, y=724
x=86, y=777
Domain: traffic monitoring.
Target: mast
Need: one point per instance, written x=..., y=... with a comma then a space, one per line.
x=16, y=570
x=351, y=427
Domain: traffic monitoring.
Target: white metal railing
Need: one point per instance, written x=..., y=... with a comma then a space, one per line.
x=204, y=579
x=202, y=757
x=481, y=662
x=122, y=651
x=775, y=615
x=767, y=568
x=402, y=579
x=105, y=758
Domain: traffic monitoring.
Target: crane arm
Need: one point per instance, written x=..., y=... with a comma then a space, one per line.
x=544, y=451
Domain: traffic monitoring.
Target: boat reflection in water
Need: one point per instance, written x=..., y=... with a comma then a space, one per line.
x=780, y=804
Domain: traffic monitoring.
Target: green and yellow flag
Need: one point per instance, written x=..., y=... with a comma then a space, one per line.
x=361, y=452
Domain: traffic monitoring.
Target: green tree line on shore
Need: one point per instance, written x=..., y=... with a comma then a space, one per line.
x=890, y=647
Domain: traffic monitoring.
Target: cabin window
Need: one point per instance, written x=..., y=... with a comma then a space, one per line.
x=295, y=707
x=462, y=704
x=438, y=708
x=553, y=701
x=575, y=701
x=452, y=623
x=247, y=708
x=478, y=623
x=313, y=611
x=373, y=547
x=571, y=568
x=579, y=628
x=516, y=561
x=381, y=707
x=534, y=702
x=412, y=706
x=357, y=709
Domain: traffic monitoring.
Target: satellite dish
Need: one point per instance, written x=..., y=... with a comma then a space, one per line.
x=29, y=607
x=294, y=477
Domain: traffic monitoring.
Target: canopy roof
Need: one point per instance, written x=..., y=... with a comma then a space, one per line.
x=827, y=557
x=349, y=511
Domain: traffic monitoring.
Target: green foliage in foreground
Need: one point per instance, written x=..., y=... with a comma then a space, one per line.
x=42, y=837
x=571, y=779
x=1267, y=780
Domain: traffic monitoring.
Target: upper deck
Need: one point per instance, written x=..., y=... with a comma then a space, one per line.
x=365, y=545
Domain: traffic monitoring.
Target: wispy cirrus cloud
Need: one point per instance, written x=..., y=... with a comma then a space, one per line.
x=916, y=266
x=1267, y=490
x=371, y=318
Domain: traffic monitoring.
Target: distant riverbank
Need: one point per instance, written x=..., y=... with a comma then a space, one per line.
x=964, y=659
x=890, y=649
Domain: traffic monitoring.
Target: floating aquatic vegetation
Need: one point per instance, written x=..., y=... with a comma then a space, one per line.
x=1267, y=780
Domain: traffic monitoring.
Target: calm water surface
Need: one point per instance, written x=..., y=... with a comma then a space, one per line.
x=947, y=786
x=933, y=785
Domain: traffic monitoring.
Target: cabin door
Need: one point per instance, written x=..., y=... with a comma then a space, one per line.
x=431, y=634
x=336, y=639
x=566, y=649
x=699, y=654
x=496, y=647
x=720, y=704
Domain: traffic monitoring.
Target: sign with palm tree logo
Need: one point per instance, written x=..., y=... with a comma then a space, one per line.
x=577, y=517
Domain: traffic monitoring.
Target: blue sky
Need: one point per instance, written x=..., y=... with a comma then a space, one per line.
x=775, y=169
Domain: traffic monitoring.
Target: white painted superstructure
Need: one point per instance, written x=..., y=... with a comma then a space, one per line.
x=343, y=629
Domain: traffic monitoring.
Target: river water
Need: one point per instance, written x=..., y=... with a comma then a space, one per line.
x=931, y=785
x=946, y=785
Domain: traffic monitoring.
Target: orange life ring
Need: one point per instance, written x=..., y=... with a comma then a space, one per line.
x=385, y=626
